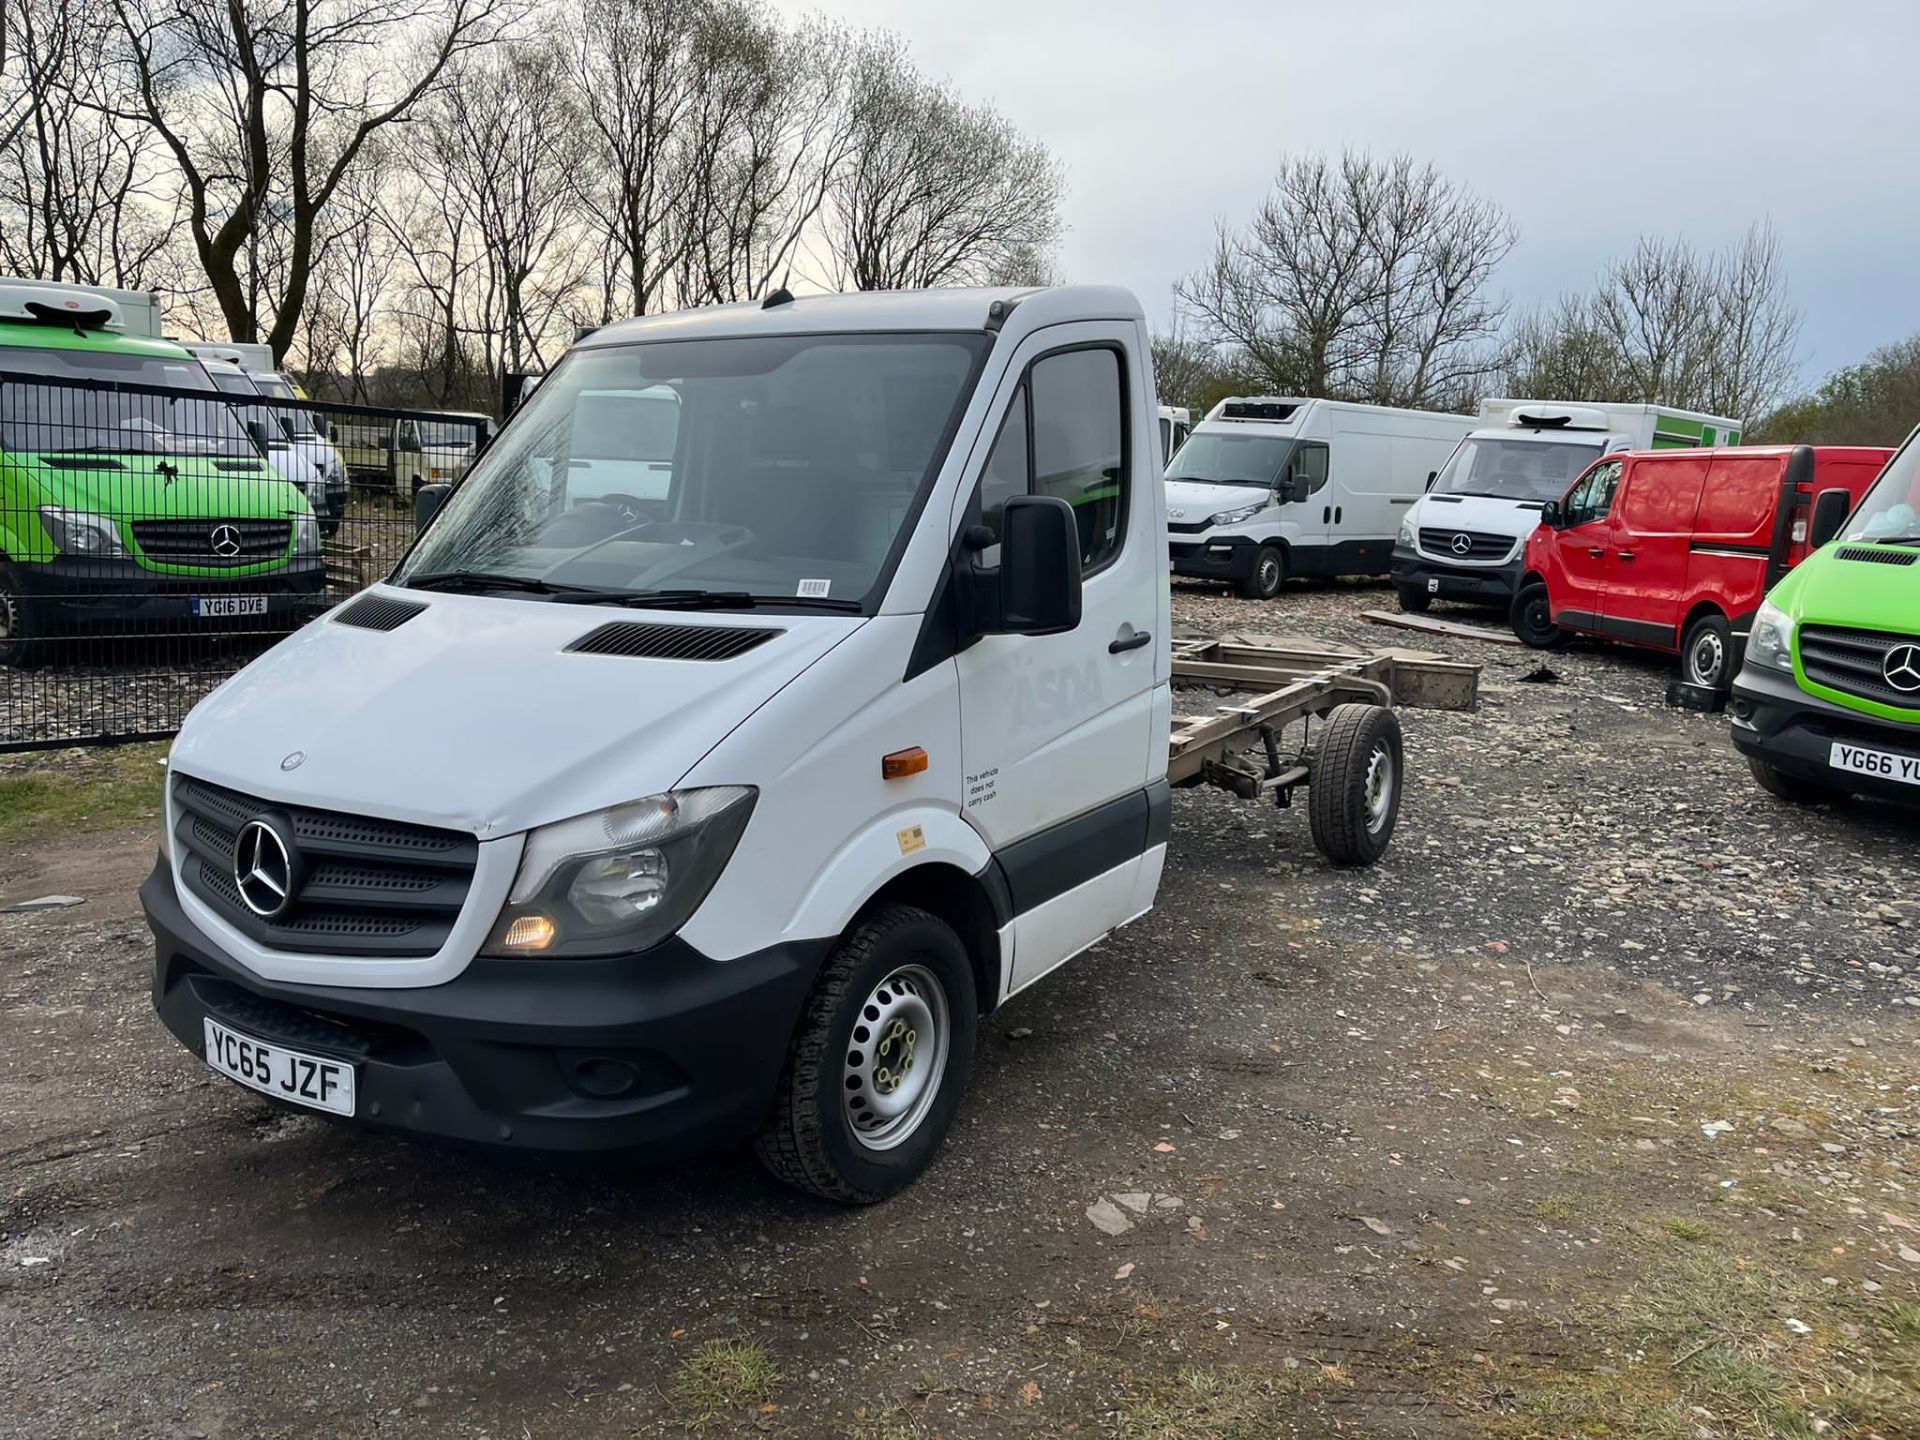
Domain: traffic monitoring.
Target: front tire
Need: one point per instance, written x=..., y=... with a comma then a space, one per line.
x=1414, y=601
x=1706, y=654
x=1532, y=619
x=878, y=1062
x=1353, y=790
x=23, y=642
x=1269, y=574
x=1791, y=788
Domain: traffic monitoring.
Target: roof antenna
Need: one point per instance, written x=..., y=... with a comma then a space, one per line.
x=780, y=296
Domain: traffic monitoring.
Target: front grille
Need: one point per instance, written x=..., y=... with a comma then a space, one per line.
x=371, y=887
x=1854, y=661
x=1480, y=544
x=1874, y=555
x=213, y=543
x=1187, y=527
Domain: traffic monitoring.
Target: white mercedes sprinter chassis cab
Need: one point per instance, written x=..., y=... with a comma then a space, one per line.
x=748, y=797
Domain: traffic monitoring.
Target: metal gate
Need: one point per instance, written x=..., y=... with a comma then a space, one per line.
x=155, y=538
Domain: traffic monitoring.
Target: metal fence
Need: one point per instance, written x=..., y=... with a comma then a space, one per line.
x=154, y=538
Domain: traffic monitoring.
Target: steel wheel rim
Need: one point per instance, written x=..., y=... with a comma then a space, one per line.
x=1379, y=788
x=9, y=617
x=1269, y=575
x=895, y=1056
x=1708, y=658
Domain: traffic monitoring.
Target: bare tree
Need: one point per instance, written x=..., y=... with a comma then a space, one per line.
x=266, y=106
x=353, y=280
x=935, y=191
x=1365, y=278
x=75, y=198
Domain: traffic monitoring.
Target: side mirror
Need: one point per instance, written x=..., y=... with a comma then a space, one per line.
x=1550, y=514
x=1830, y=513
x=427, y=501
x=1432, y=475
x=1039, y=566
x=257, y=433
x=1294, y=487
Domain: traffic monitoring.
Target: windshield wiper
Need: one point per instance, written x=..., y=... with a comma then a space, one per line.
x=485, y=580
x=704, y=600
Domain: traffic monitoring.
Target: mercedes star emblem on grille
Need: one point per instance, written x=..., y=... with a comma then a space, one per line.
x=263, y=869
x=1462, y=544
x=225, y=541
x=1902, y=667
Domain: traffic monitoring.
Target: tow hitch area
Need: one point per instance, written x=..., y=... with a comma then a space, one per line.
x=1346, y=750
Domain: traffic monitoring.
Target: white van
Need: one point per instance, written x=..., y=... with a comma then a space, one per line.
x=1176, y=423
x=1267, y=487
x=136, y=312
x=1466, y=538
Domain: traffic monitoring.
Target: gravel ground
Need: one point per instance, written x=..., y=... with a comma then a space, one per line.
x=1590, y=1109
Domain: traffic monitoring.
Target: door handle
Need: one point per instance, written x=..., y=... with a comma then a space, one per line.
x=1129, y=642
x=1326, y=514
x=1626, y=554
x=1595, y=551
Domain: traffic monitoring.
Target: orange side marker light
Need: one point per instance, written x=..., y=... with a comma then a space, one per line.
x=902, y=763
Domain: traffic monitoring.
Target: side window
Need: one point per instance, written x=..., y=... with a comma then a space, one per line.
x=1078, y=444
x=1063, y=436
x=1592, y=498
x=1310, y=461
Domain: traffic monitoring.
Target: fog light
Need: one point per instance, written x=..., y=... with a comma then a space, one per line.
x=528, y=932
x=605, y=1078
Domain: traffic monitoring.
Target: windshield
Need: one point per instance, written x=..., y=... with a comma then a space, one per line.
x=1531, y=470
x=297, y=423
x=1213, y=457
x=449, y=432
x=794, y=465
x=1891, y=510
x=52, y=418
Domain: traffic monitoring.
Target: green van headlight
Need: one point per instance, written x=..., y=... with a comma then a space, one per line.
x=81, y=532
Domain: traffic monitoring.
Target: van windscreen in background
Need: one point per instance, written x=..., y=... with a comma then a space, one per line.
x=1530, y=470
x=1890, y=511
x=793, y=463
x=1215, y=457
x=36, y=419
x=297, y=423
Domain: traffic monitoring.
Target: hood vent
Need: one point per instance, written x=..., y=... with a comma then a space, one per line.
x=639, y=640
x=377, y=612
x=1876, y=556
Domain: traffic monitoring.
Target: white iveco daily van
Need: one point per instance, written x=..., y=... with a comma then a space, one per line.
x=746, y=798
x=1266, y=488
x=1467, y=538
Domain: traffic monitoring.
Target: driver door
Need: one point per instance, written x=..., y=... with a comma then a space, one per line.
x=1583, y=549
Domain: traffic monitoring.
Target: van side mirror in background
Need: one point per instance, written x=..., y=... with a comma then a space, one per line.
x=1039, y=566
x=1830, y=513
x=257, y=433
x=1294, y=487
x=1432, y=475
x=427, y=500
x=1550, y=514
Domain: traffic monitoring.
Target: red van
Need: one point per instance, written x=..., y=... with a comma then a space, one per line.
x=1674, y=549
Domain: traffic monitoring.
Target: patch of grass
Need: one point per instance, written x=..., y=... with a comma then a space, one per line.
x=721, y=1378
x=1557, y=1208
x=1684, y=1227
x=1194, y=1403
x=51, y=796
x=1903, y=1319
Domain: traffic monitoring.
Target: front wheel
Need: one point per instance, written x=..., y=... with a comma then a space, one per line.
x=1791, y=788
x=1269, y=574
x=1532, y=618
x=23, y=643
x=1353, y=787
x=1414, y=601
x=878, y=1062
x=1706, y=654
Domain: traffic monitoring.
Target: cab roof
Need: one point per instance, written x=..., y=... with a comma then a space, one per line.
x=43, y=335
x=877, y=311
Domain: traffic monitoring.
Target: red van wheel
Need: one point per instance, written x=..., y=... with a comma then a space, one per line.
x=1706, y=655
x=1532, y=618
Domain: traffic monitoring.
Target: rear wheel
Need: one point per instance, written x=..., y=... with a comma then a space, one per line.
x=1791, y=788
x=1532, y=617
x=1414, y=601
x=23, y=642
x=1706, y=654
x=1353, y=790
x=878, y=1062
x=1269, y=574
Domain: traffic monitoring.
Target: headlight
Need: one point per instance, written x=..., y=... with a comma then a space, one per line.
x=1406, y=532
x=622, y=879
x=306, y=534
x=1234, y=517
x=81, y=532
x=1770, y=642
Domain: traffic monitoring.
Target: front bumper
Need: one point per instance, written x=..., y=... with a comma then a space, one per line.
x=653, y=1054
x=1225, y=557
x=75, y=593
x=1489, y=584
x=1778, y=722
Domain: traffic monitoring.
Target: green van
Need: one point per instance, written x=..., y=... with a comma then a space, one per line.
x=123, y=511
x=1828, y=701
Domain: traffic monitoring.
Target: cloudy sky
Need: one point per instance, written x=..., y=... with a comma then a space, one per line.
x=1592, y=123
